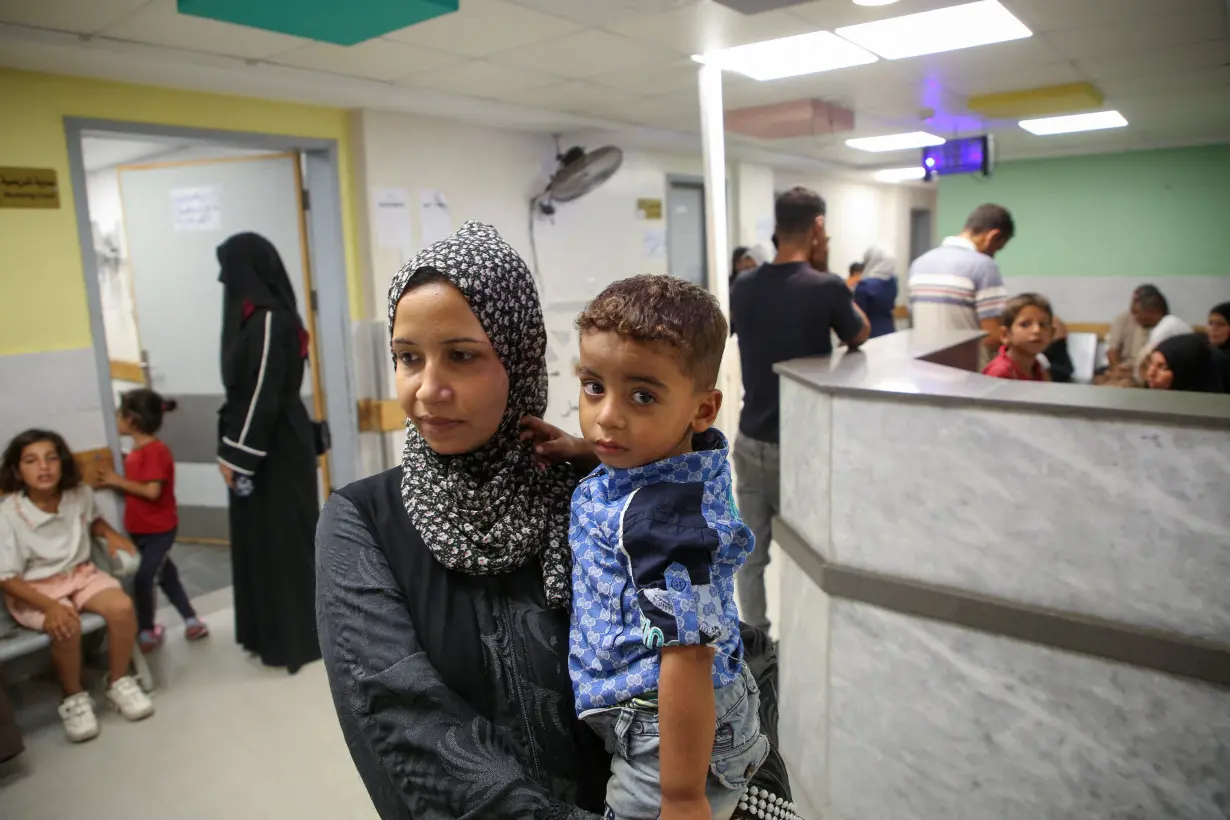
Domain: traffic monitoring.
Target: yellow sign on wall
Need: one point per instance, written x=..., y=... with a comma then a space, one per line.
x=29, y=188
x=649, y=208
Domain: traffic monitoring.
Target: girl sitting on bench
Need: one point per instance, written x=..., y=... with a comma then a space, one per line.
x=47, y=518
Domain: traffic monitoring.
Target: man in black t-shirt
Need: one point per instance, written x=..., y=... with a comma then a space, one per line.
x=785, y=309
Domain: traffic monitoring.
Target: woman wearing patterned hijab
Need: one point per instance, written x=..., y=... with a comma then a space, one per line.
x=443, y=584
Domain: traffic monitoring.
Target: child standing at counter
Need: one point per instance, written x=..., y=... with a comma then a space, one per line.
x=1026, y=327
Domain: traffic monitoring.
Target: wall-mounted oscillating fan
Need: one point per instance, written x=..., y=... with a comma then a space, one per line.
x=579, y=172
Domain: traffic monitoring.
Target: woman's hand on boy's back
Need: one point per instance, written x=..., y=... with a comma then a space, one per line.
x=552, y=445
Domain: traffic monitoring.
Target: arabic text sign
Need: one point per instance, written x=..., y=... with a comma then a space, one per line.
x=29, y=188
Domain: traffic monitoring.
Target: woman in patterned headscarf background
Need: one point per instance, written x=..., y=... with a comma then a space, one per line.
x=443, y=584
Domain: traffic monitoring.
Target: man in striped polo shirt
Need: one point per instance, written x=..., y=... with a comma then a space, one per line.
x=957, y=286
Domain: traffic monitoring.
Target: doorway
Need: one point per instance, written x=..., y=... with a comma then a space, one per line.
x=156, y=206
x=920, y=232
x=686, y=248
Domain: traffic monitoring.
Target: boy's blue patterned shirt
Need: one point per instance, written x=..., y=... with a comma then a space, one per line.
x=654, y=555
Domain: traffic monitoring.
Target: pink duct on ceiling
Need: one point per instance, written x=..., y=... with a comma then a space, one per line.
x=788, y=120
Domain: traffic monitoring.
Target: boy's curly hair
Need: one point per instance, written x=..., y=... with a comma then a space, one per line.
x=665, y=309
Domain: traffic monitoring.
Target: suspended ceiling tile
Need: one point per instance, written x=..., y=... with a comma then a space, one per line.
x=161, y=24
x=479, y=78
x=1209, y=54
x=695, y=29
x=603, y=12
x=68, y=15
x=483, y=27
x=679, y=75
x=377, y=59
x=571, y=96
x=1142, y=34
x=996, y=81
x=1054, y=15
x=830, y=14
x=1168, y=81
x=587, y=53
x=1016, y=55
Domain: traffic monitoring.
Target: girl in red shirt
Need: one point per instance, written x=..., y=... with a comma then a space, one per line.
x=150, y=514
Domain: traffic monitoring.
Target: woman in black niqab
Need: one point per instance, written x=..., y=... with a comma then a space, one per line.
x=266, y=453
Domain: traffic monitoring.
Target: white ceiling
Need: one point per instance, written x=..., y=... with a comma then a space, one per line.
x=573, y=64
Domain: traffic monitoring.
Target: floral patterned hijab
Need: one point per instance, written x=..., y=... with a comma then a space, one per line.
x=490, y=511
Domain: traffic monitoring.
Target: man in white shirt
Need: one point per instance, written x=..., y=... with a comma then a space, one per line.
x=1152, y=312
x=958, y=285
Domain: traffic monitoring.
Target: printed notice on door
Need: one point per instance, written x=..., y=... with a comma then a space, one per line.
x=197, y=209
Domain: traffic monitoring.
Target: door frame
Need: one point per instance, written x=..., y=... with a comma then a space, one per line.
x=326, y=258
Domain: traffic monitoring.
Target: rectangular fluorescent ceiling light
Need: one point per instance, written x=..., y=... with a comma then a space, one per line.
x=899, y=174
x=896, y=142
x=789, y=56
x=1096, y=121
x=932, y=32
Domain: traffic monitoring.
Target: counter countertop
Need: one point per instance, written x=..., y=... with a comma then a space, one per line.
x=896, y=365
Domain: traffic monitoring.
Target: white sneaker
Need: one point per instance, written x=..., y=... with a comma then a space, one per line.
x=77, y=712
x=126, y=696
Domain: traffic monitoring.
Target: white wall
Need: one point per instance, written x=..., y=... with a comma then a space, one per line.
x=484, y=174
x=861, y=214
x=753, y=205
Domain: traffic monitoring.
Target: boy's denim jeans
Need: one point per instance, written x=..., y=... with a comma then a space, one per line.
x=631, y=736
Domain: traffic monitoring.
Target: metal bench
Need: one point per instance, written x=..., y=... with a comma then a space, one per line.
x=17, y=641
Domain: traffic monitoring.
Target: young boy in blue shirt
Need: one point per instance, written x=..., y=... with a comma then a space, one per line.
x=655, y=655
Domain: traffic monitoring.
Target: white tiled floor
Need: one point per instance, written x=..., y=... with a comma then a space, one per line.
x=231, y=741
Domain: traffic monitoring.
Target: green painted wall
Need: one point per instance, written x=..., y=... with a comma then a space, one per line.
x=1146, y=214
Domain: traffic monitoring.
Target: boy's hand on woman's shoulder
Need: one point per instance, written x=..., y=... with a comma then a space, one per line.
x=552, y=445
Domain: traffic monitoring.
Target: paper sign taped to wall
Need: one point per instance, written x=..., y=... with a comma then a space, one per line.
x=434, y=216
x=197, y=209
x=653, y=243
x=764, y=232
x=392, y=206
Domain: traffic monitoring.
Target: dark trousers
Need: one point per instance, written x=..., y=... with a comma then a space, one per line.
x=157, y=567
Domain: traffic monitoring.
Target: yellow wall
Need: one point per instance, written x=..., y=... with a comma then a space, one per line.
x=42, y=288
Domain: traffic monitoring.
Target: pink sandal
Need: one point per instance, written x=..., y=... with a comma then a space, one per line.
x=195, y=629
x=150, y=639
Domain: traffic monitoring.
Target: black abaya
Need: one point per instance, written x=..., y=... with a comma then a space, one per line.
x=266, y=436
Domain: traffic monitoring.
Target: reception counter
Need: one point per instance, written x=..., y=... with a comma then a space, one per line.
x=1000, y=599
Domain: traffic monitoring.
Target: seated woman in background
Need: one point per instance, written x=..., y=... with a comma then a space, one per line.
x=1189, y=363
x=46, y=521
x=1219, y=327
x=1058, y=360
x=876, y=290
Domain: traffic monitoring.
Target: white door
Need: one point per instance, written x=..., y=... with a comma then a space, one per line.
x=175, y=217
x=685, y=232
